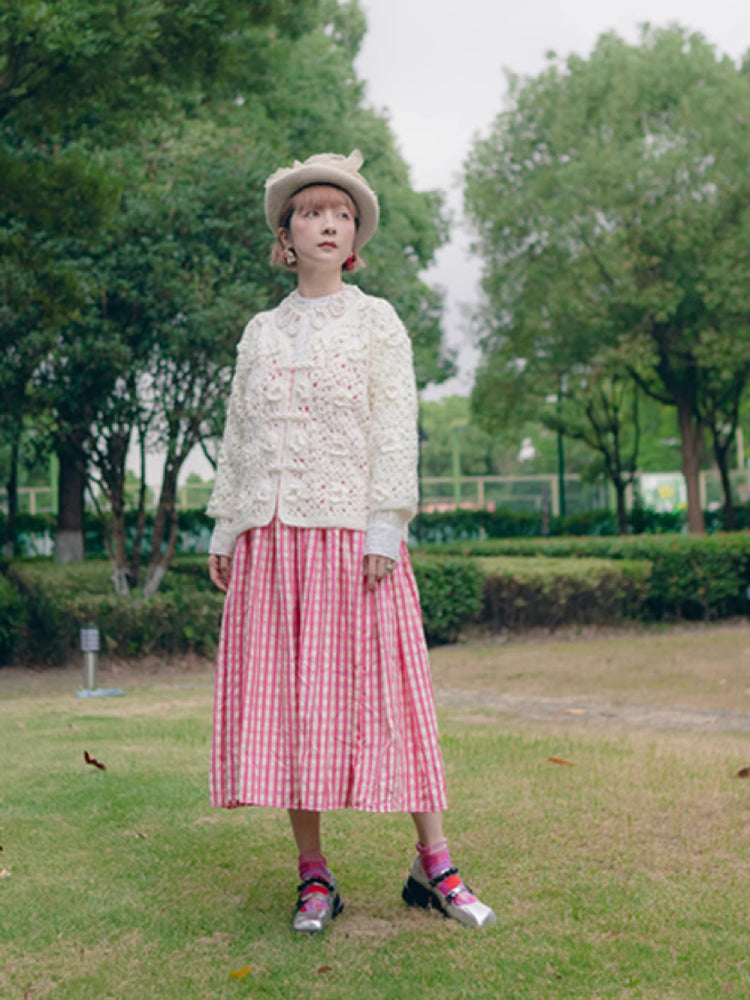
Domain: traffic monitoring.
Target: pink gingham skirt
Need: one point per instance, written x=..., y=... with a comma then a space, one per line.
x=323, y=692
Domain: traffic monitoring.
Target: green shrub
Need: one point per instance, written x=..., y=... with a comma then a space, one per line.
x=473, y=525
x=12, y=619
x=459, y=524
x=60, y=600
x=693, y=576
x=48, y=604
x=175, y=622
x=643, y=521
x=450, y=592
x=46, y=632
x=587, y=522
x=524, y=593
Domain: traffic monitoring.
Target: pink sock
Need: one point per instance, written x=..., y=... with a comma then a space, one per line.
x=312, y=864
x=437, y=859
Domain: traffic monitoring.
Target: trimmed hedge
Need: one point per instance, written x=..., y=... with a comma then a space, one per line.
x=60, y=600
x=450, y=593
x=557, y=580
x=13, y=619
x=473, y=525
x=523, y=593
x=44, y=605
x=692, y=577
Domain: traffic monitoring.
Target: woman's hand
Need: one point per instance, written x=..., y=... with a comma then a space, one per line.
x=375, y=568
x=219, y=569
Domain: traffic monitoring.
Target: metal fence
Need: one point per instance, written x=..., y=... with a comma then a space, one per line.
x=526, y=494
x=523, y=494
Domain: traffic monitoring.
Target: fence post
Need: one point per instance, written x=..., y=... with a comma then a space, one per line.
x=555, y=484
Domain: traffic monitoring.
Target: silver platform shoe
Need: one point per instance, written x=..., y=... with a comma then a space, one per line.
x=315, y=921
x=420, y=891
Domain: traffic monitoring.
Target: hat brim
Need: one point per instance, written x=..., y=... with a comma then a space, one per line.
x=279, y=192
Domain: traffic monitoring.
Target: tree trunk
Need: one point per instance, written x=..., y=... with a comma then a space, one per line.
x=622, y=511
x=165, y=530
x=721, y=454
x=691, y=435
x=159, y=561
x=157, y=570
x=119, y=553
x=136, y=554
x=11, y=487
x=113, y=473
x=69, y=545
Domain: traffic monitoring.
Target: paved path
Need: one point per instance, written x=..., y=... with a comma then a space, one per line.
x=598, y=713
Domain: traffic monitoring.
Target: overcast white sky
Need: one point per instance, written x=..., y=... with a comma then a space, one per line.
x=438, y=68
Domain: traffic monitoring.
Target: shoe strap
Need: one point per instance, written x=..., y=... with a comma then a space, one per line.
x=455, y=890
x=319, y=882
x=442, y=876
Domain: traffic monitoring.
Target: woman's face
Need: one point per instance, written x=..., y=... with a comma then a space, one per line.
x=322, y=227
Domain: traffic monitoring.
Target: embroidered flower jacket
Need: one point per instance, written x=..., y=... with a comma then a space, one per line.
x=324, y=436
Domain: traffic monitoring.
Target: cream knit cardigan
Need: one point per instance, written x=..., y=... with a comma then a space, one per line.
x=326, y=438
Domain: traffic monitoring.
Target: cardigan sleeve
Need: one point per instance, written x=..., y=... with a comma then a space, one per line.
x=223, y=503
x=393, y=417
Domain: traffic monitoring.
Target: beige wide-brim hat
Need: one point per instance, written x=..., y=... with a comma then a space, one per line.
x=325, y=168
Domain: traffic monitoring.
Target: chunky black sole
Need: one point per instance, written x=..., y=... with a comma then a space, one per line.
x=415, y=894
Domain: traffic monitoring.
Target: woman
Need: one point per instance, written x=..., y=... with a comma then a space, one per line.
x=323, y=692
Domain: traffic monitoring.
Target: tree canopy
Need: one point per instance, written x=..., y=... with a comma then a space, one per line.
x=125, y=291
x=611, y=202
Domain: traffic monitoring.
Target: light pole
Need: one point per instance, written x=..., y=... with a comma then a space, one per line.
x=456, y=425
x=560, y=452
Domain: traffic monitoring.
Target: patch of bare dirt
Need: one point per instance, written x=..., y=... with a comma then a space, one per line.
x=576, y=710
x=686, y=676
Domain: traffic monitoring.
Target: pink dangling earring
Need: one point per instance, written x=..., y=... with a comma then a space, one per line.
x=350, y=263
x=289, y=257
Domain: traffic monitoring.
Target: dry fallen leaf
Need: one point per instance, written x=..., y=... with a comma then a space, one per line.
x=325, y=968
x=559, y=760
x=92, y=760
x=744, y=772
x=242, y=973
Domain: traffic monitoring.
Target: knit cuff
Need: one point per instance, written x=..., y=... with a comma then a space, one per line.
x=222, y=540
x=385, y=533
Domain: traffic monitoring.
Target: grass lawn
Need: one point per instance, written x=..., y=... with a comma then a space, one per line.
x=624, y=875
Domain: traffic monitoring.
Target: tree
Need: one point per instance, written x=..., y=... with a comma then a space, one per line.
x=612, y=208
x=62, y=96
x=183, y=263
x=601, y=410
x=450, y=433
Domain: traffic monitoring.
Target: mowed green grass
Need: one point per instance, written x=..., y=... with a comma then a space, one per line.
x=620, y=874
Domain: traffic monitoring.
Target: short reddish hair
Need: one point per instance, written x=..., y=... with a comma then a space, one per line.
x=313, y=196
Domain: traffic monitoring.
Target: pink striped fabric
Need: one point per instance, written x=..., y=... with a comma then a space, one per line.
x=323, y=692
